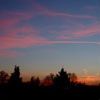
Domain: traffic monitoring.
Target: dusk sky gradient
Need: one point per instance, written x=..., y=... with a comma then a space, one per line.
x=41, y=36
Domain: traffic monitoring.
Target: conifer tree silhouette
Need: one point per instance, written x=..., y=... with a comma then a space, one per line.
x=15, y=78
x=62, y=80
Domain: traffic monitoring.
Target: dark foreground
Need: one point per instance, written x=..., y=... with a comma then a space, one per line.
x=45, y=93
x=61, y=86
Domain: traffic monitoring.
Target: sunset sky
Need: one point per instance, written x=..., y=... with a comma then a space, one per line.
x=41, y=36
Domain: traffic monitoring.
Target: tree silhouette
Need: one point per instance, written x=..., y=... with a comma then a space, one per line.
x=15, y=76
x=35, y=82
x=63, y=85
x=48, y=80
x=73, y=77
x=3, y=77
x=62, y=80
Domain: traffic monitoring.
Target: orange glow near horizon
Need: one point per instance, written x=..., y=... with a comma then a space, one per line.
x=89, y=80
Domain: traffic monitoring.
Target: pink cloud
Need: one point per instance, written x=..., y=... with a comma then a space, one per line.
x=20, y=42
x=31, y=36
x=21, y=31
x=22, y=37
x=8, y=42
x=27, y=36
x=8, y=22
x=79, y=32
x=17, y=14
x=22, y=15
x=88, y=31
x=91, y=8
x=13, y=18
x=73, y=42
x=45, y=11
x=51, y=13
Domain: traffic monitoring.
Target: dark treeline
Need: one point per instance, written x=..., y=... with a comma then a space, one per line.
x=62, y=86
